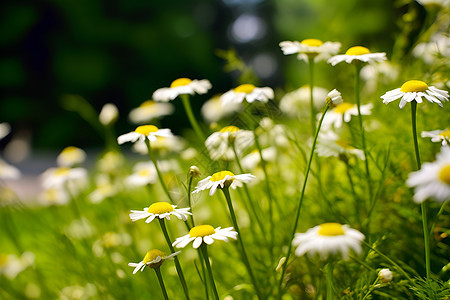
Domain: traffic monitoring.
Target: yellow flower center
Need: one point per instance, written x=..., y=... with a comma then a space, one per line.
x=160, y=208
x=445, y=134
x=147, y=103
x=330, y=229
x=152, y=255
x=62, y=171
x=312, y=42
x=343, y=107
x=414, y=86
x=180, y=82
x=146, y=129
x=344, y=144
x=201, y=231
x=229, y=129
x=357, y=50
x=144, y=173
x=444, y=174
x=245, y=88
x=220, y=175
x=70, y=149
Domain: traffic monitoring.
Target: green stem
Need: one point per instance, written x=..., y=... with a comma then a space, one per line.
x=370, y=289
x=362, y=131
x=423, y=205
x=189, y=199
x=245, y=260
x=155, y=162
x=329, y=278
x=299, y=205
x=311, y=97
x=204, y=250
x=161, y=282
x=355, y=199
x=191, y=117
x=177, y=263
x=441, y=210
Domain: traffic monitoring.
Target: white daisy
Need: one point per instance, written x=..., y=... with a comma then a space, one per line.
x=246, y=92
x=161, y=210
x=213, y=111
x=329, y=144
x=141, y=132
x=343, y=113
x=251, y=160
x=385, y=275
x=143, y=173
x=54, y=195
x=328, y=238
x=153, y=259
x=8, y=172
x=205, y=233
x=150, y=110
x=105, y=188
x=5, y=129
x=109, y=114
x=415, y=90
x=310, y=48
x=433, y=179
x=438, y=136
x=222, y=179
x=438, y=47
x=182, y=86
x=334, y=98
x=296, y=103
x=161, y=145
x=220, y=143
x=357, y=53
x=74, y=178
x=71, y=156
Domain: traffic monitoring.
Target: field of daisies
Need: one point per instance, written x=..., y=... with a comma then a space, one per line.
x=317, y=192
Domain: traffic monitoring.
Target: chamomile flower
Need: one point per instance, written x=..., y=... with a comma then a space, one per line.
x=310, y=48
x=182, y=86
x=220, y=144
x=5, y=129
x=438, y=136
x=105, y=188
x=357, y=53
x=161, y=145
x=144, y=173
x=213, y=111
x=142, y=132
x=71, y=156
x=247, y=92
x=252, y=160
x=385, y=275
x=334, y=98
x=433, y=179
x=54, y=196
x=160, y=210
x=150, y=110
x=206, y=234
x=8, y=172
x=330, y=144
x=153, y=259
x=222, y=179
x=296, y=103
x=109, y=114
x=343, y=113
x=75, y=178
x=328, y=238
x=415, y=90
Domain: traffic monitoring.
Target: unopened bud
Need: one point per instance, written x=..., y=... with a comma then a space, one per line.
x=194, y=171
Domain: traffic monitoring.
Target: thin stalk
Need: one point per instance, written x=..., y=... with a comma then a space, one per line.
x=161, y=282
x=204, y=250
x=370, y=289
x=189, y=199
x=300, y=202
x=329, y=279
x=205, y=281
x=437, y=216
x=311, y=97
x=355, y=199
x=423, y=205
x=155, y=162
x=191, y=117
x=177, y=262
x=245, y=260
x=361, y=128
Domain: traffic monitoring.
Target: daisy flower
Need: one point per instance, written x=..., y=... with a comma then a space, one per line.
x=246, y=92
x=161, y=210
x=328, y=238
x=109, y=114
x=213, y=111
x=222, y=179
x=438, y=136
x=296, y=103
x=182, y=86
x=357, y=53
x=433, y=179
x=310, y=48
x=251, y=160
x=71, y=156
x=153, y=259
x=329, y=144
x=54, y=196
x=343, y=113
x=415, y=90
x=105, y=188
x=220, y=144
x=144, y=173
x=150, y=110
x=5, y=129
x=334, y=98
x=205, y=233
x=141, y=132
x=8, y=172
x=385, y=275
x=58, y=177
